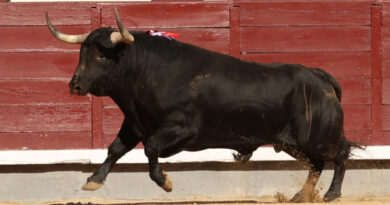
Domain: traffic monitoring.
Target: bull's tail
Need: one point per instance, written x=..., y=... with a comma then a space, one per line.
x=353, y=145
x=330, y=79
x=346, y=146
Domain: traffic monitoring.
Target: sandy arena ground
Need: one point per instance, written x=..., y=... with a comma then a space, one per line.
x=275, y=200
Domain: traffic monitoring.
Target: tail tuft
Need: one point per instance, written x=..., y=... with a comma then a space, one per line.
x=349, y=145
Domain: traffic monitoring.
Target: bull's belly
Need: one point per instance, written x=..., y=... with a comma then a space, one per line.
x=247, y=121
x=238, y=133
x=225, y=141
x=242, y=139
x=242, y=128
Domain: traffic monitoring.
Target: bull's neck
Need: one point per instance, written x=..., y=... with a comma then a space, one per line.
x=143, y=59
x=156, y=53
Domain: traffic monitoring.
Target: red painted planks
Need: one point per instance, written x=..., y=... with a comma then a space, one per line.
x=108, y=138
x=357, y=117
x=304, y=13
x=235, y=32
x=384, y=140
x=305, y=39
x=356, y=91
x=339, y=64
x=18, y=14
x=212, y=39
x=386, y=117
x=37, y=110
x=37, y=39
x=97, y=122
x=45, y=140
x=38, y=65
x=360, y=137
x=386, y=64
x=38, y=92
x=386, y=91
x=376, y=71
x=45, y=118
x=167, y=15
x=216, y=39
x=385, y=13
x=385, y=38
x=112, y=120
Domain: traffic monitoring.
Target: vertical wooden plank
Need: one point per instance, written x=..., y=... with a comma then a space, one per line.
x=235, y=31
x=376, y=71
x=97, y=104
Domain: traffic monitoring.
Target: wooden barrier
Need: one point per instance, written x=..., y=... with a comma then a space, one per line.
x=351, y=40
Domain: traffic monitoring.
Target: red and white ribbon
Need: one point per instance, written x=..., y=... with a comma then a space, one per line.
x=164, y=34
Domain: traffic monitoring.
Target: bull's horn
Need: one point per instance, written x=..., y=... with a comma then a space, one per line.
x=74, y=39
x=124, y=35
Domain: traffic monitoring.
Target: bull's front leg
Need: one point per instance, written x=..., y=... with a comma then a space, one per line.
x=155, y=172
x=165, y=142
x=124, y=142
x=153, y=149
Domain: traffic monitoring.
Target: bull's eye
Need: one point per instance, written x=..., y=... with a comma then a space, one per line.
x=100, y=56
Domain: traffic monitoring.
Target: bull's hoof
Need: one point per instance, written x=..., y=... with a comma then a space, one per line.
x=167, y=186
x=92, y=186
x=299, y=197
x=306, y=196
x=330, y=196
x=242, y=158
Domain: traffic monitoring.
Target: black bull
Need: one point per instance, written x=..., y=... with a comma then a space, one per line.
x=176, y=96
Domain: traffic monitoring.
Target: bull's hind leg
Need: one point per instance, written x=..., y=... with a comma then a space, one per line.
x=338, y=177
x=307, y=193
x=123, y=143
x=339, y=172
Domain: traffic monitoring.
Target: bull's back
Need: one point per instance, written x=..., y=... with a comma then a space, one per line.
x=247, y=104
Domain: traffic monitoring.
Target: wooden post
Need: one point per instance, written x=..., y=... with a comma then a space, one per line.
x=376, y=72
x=97, y=104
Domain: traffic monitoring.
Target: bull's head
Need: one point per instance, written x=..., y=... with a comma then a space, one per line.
x=99, y=56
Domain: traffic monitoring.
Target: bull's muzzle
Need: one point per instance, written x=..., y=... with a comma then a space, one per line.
x=76, y=89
